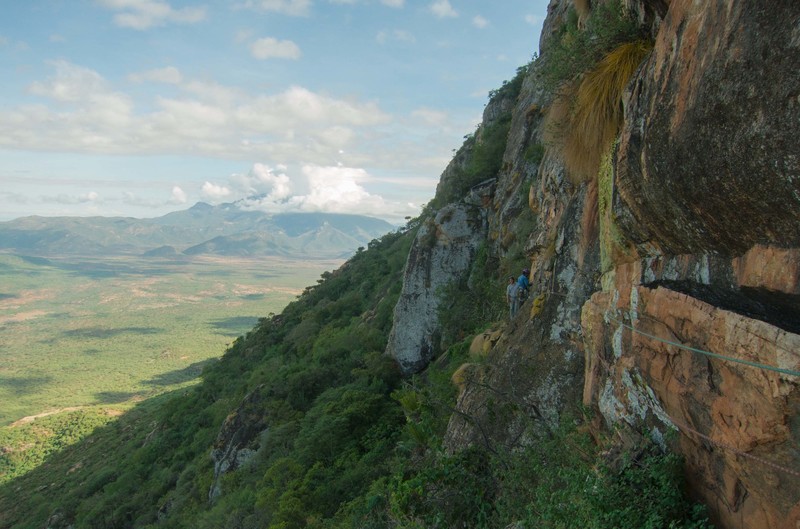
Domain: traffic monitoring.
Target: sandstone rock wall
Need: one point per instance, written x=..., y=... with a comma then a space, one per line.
x=700, y=247
x=709, y=158
x=736, y=424
x=705, y=210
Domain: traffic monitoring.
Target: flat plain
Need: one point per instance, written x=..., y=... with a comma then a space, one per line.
x=109, y=332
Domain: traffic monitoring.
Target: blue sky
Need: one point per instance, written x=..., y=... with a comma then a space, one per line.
x=141, y=107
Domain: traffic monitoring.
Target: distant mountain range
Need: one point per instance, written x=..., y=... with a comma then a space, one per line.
x=203, y=229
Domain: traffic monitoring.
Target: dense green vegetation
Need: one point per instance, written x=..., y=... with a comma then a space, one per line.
x=28, y=445
x=325, y=387
x=468, y=309
x=575, y=50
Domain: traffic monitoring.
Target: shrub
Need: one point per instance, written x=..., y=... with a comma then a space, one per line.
x=565, y=481
x=534, y=153
x=451, y=491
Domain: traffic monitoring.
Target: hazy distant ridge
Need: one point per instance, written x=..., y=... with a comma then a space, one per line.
x=225, y=229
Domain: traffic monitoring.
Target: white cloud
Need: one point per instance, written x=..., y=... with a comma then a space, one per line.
x=55, y=37
x=81, y=112
x=263, y=180
x=71, y=83
x=3, y=40
x=443, y=9
x=269, y=47
x=98, y=106
x=286, y=7
x=335, y=137
x=298, y=105
x=178, y=196
x=167, y=75
x=64, y=198
x=214, y=191
x=338, y=190
x=479, y=22
x=146, y=14
x=334, y=189
x=213, y=93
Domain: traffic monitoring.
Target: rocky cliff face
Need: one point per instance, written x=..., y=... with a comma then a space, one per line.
x=442, y=253
x=684, y=250
x=737, y=422
x=534, y=373
x=444, y=250
x=708, y=157
x=705, y=204
x=238, y=440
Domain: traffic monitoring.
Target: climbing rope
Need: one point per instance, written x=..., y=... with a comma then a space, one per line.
x=790, y=372
x=686, y=429
x=774, y=466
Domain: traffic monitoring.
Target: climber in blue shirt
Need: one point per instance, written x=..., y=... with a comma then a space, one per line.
x=523, y=285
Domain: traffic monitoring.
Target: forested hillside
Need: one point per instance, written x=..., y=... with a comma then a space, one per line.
x=322, y=386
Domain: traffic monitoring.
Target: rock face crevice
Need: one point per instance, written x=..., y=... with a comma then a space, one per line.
x=776, y=308
x=645, y=370
x=533, y=376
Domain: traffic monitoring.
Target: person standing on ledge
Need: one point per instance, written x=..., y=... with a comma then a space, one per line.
x=511, y=296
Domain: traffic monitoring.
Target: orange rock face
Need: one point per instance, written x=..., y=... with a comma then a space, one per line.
x=738, y=425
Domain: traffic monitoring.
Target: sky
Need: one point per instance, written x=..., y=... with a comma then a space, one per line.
x=142, y=107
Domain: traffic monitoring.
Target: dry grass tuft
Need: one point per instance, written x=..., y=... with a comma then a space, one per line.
x=586, y=118
x=464, y=374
